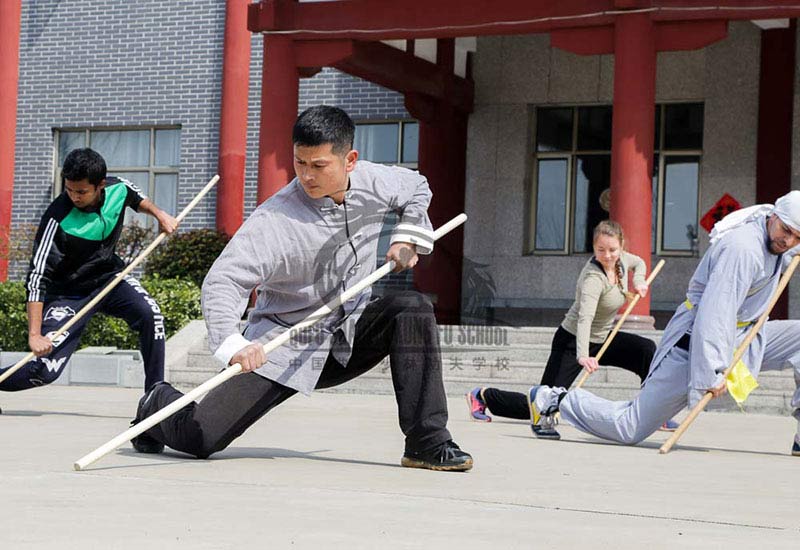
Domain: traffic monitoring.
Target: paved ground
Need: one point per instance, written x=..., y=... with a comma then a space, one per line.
x=323, y=473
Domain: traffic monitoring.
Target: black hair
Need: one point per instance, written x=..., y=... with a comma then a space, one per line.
x=324, y=124
x=84, y=164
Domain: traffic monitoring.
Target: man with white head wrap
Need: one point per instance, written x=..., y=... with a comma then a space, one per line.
x=729, y=290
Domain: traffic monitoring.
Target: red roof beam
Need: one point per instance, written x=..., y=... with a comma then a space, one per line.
x=409, y=19
x=684, y=10
x=405, y=73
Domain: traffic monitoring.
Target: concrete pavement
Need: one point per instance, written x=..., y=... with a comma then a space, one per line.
x=323, y=472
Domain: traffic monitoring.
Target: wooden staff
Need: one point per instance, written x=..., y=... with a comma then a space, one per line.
x=665, y=448
x=235, y=369
x=116, y=280
x=624, y=316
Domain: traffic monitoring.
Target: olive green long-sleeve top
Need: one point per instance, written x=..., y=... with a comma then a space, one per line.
x=597, y=301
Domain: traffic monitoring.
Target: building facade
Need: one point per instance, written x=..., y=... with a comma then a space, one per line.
x=145, y=86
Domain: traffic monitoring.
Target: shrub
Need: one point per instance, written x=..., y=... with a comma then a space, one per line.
x=187, y=255
x=13, y=317
x=179, y=301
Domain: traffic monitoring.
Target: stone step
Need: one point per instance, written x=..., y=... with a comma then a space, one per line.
x=773, y=396
x=466, y=367
x=508, y=357
x=479, y=336
x=760, y=401
x=475, y=355
x=94, y=366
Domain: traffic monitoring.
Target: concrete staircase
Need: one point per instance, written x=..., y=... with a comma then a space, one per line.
x=94, y=366
x=504, y=357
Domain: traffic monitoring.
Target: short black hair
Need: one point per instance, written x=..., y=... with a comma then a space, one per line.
x=84, y=164
x=324, y=124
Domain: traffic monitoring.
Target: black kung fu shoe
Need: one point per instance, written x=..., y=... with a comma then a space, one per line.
x=144, y=443
x=446, y=457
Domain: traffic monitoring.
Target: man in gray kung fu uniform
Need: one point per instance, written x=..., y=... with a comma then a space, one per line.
x=729, y=290
x=312, y=240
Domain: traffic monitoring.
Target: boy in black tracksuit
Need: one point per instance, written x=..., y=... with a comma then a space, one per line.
x=73, y=259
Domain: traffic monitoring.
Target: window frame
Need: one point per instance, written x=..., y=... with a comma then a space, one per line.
x=663, y=153
x=151, y=169
x=401, y=123
x=572, y=155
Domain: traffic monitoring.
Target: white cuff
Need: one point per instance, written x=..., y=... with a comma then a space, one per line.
x=414, y=234
x=230, y=346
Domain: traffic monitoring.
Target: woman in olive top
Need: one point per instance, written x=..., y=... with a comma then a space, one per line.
x=601, y=291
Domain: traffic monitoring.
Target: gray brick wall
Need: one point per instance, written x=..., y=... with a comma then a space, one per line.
x=92, y=63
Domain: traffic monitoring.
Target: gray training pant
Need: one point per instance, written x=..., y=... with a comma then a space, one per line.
x=665, y=391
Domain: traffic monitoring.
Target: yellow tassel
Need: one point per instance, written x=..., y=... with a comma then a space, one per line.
x=740, y=382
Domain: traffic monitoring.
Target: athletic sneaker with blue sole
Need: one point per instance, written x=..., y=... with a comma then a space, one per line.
x=543, y=422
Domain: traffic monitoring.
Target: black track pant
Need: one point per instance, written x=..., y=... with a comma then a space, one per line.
x=627, y=351
x=401, y=326
x=128, y=301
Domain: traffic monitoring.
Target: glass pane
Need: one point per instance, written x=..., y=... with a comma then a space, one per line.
x=69, y=141
x=165, y=194
x=551, y=204
x=680, y=202
x=142, y=180
x=594, y=128
x=168, y=147
x=554, y=129
x=683, y=126
x=592, y=181
x=124, y=148
x=410, y=142
x=377, y=142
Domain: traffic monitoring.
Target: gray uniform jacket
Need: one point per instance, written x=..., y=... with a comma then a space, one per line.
x=300, y=252
x=731, y=286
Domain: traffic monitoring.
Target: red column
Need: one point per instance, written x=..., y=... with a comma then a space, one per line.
x=442, y=159
x=233, y=117
x=775, y=112
x=632, y=135
x=280, y=85
x=10, y=15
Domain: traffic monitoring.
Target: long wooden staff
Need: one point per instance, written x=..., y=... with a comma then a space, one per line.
x=736, y=357
x=115, y=281
x=624, y=316
x=235, y=369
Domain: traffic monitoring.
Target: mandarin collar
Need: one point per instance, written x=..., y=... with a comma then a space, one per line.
x=325, y=203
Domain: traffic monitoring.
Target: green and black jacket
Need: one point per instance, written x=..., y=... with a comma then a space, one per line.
x=73, y=253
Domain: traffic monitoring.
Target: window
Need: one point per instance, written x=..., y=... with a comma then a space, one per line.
x=388, y=142
x=572, y=177
x=148, y=157
x=394, y=143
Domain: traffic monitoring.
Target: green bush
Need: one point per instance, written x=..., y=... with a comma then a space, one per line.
x=187, y=255
x=13, y=317
x=179, y=301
